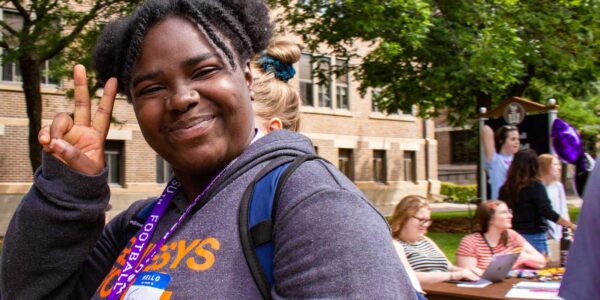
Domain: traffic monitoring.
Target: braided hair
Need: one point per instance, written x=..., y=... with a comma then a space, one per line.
x=237, y=28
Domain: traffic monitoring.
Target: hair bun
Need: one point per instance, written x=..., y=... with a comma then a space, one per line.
x=284, y=49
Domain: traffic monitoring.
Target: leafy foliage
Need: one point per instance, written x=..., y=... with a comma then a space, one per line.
x=457, y=55
x=60, y=31
x=459, y=193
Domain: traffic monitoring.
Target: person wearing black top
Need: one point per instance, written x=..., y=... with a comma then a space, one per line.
x=527, y=198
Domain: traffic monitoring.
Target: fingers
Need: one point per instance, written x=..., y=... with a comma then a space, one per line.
x=101, y=120
x=73, y=157
x=61, y=124
x=82, y=114
x=44, y=138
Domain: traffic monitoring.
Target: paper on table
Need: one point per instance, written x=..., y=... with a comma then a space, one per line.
x=481, y=283
x=534, y=290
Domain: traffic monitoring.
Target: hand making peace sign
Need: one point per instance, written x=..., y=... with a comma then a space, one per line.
x=79, y=141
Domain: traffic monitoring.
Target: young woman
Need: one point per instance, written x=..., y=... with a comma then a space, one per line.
x=185, y=67
x=527, y=198
x=419, y=253
x=499, y=148
x=496, y=237
x=276, y=103
x=549, y=174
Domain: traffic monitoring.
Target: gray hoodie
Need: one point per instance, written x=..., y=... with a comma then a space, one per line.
x=330, y=242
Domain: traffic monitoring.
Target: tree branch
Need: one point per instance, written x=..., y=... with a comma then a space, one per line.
x=4, y=45
x=65, y=41
x=8, y=28
x=22, y=11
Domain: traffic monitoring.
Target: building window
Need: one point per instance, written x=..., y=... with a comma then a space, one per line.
x=164, y=172
x=341, y=80
x=379, y=166
x=324, y=84
x=113, y=155
x=376, y=92
x=464, y=147
x=409, y=164
x=11, y=71
x=345, y=162
x=306, y=80
x=328, y=85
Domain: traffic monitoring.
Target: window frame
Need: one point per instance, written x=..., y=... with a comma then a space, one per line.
x=16, y=77
x=409, y=173
x=164, y=170
x=331, y=87
x=115, y=148
x=380, y=174
x=346, y=162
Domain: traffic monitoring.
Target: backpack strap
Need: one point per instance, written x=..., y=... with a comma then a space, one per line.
x=138, y=220
x=257, y=217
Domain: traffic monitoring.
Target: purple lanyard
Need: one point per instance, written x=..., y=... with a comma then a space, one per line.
x=131, y=268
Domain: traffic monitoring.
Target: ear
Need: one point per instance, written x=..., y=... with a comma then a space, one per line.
x=274, y=124
x=248, y=75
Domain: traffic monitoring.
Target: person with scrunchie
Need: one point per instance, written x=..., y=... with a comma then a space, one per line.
x=276, y=103
x=184, y=65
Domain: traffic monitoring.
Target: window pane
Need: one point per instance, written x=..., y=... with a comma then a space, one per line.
x=305, y=71
x=342, y=97
x=114, y=171
x=410, y=166
x=345, y=163
x=7, y=71
x=464, y=147
x=342, y=71
x=306, y=93
x=324, y=99
x=379, y=166
x=114, y=161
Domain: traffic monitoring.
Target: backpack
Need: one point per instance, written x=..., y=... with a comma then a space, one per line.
x=256, y=217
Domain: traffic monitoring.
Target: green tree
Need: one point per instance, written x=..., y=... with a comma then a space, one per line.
x=45, y=30
x=458, y=55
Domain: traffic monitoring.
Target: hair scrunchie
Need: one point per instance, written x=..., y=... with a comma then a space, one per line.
x=282, y=71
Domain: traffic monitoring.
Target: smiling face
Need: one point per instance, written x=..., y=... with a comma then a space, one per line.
x=511, y=143
x=555, y=169
x=502, y=218
x=416, y=226
x=192, y=107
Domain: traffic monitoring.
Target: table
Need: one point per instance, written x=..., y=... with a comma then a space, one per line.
x=449, y=291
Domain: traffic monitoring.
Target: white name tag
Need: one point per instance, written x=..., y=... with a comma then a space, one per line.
x=148, y=286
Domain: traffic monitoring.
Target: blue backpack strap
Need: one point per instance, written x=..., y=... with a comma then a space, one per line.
x=138, y=220
x=257, y=217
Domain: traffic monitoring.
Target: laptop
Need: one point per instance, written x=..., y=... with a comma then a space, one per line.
x=496, y=271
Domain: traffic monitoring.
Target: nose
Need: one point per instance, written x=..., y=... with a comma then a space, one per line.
x=183, y=100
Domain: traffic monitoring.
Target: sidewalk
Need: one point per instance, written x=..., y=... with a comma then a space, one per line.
x=387, y=210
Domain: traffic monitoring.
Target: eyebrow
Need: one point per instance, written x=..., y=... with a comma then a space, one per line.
x=186, y=63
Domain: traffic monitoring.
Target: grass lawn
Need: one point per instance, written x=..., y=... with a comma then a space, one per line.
x=448, y=241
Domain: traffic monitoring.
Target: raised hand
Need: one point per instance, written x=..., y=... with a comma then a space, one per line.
x=79, y=141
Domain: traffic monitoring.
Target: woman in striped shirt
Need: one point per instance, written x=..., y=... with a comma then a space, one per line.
x=496, y=237
x=419, y=253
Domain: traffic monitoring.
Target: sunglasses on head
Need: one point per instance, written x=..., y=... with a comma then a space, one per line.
x=509, y=127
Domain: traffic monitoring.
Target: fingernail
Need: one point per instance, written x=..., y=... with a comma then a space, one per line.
x=57, y=145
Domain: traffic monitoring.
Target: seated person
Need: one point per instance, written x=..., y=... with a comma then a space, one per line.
x=420, y=254
x=276, y=103
x=496, y=237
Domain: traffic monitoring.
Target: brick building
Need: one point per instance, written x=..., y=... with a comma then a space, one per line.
x=387, y=156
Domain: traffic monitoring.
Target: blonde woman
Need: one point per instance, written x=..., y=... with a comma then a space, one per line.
x=549, y=175
x=276, y=103
x=419, y=253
